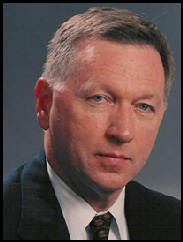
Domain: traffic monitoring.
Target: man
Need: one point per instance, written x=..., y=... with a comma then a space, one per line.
x=100, y=102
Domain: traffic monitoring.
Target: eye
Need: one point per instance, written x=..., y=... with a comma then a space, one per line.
x=101, y=100
x=97, y=98
x=145, y=107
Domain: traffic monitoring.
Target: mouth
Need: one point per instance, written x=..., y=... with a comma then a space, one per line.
x=112, y=159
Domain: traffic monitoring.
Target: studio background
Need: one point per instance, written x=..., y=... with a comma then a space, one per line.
x=27, y=29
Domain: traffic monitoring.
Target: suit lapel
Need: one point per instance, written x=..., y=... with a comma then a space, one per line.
x=141, y=215
x=41, y=216
x=134, y=212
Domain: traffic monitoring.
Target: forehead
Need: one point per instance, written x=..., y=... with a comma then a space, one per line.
x=114, y=62
x=94, y=53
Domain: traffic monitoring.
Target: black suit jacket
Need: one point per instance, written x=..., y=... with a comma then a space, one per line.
x=31, y=210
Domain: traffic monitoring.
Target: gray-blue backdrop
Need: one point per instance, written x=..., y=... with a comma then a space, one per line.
x=27, y=29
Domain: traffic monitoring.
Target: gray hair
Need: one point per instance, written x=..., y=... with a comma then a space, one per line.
x=103, y=22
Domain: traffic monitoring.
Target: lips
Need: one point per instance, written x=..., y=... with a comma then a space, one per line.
x=113, y=155
x=112, y=159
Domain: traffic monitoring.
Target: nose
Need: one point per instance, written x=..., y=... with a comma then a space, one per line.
x=121, y=125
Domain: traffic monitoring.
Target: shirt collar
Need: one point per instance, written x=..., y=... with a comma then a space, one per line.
x=117, y=210
x=75, y=208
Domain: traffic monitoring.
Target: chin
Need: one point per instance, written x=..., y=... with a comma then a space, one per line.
x=111, y=183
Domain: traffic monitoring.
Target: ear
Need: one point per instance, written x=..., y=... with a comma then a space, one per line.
x=43, y=97
x=165, y=106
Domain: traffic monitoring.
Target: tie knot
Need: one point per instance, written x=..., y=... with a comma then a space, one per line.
x=100, y=226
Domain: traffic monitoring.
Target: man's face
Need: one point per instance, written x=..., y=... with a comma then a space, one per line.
x=104, y=124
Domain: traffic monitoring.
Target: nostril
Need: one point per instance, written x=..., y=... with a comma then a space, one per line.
x=114, y=140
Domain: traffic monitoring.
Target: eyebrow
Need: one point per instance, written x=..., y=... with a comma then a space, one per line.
x=150, y=96
x=93, y=83
x=87, y=85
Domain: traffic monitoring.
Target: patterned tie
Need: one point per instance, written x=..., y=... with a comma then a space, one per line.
x=100, y=226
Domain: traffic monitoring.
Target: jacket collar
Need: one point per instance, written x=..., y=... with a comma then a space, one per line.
x=41, y=216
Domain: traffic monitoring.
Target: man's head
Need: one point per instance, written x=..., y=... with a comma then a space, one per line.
x=102, y=97
x=113, y=24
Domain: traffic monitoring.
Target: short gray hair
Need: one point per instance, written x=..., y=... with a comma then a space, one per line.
x=103, y=22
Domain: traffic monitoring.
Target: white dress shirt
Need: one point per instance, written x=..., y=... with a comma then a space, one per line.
x=78, y=213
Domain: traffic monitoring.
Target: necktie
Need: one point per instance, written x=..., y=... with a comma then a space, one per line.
x=100, y=226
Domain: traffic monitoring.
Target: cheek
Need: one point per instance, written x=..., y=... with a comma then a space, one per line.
x=59, y=123
x=76, y=132
x=88, y=125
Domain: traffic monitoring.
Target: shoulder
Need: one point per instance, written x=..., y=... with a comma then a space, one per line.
x=151, y=214
x=12, y=188
x=12, y=193
x=11, y=202
x=14, y=178
x=156, y=199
